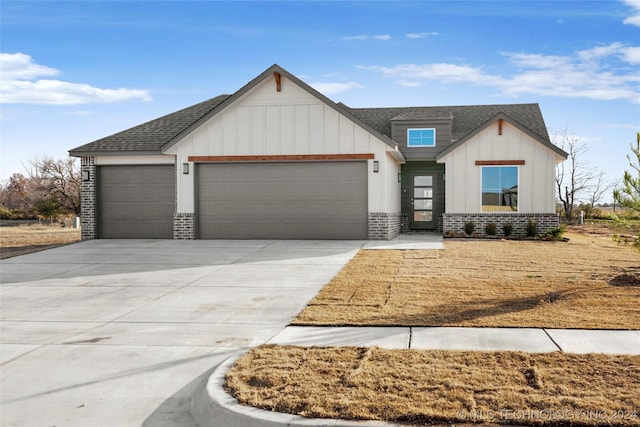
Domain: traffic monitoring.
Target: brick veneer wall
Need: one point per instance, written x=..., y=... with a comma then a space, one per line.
x=384, y=225
x=183, y=226
x=455, y=222
x=88, y=199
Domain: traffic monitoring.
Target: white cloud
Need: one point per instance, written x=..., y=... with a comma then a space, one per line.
x=602, y=73
x=423, y=35
x=635, y=18
x=21, y=83
x=383, y=37
x=333, y=88
x=18, y=66
x=358, y=37
x=448, y=73
x=410, y=83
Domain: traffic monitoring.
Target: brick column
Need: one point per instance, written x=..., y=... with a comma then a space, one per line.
x=88, y=199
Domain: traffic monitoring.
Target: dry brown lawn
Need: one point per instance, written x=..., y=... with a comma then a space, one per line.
x=589, y=282
x=424, y=387
x=24, y=239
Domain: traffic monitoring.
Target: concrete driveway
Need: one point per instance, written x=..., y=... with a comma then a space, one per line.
x=120, y=332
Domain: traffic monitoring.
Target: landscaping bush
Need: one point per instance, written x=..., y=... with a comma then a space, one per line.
x=469, y=227
x=490, y=229
x=531, y=228
x=556, y=233
x=507, y=229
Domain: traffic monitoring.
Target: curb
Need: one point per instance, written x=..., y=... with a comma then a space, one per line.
x=212, y=407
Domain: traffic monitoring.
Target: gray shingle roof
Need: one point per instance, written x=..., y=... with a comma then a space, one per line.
x=466, y=119
x=151, y=136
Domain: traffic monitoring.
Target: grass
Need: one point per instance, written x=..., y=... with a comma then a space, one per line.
x=589, y=282
x=25, y=239
x=425, y=387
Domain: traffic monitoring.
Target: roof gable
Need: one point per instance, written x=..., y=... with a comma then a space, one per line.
x=544, y=141
x=269, y=73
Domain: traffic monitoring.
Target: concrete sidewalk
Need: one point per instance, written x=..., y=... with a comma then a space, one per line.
x=533, y=340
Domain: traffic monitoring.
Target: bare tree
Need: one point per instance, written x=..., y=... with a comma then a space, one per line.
x=573, y=177
x=17, y=194
x=58, y=180
x=601, y=186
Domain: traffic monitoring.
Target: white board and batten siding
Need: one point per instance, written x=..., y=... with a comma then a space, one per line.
x=290, y=122
x=536, y=184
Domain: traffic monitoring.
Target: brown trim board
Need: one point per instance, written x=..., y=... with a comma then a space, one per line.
x=499, y=162
x=281, y=158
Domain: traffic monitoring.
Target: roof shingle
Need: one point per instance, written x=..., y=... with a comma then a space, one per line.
x=151, y=136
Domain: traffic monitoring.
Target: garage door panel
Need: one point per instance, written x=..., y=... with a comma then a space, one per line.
x=136, y=202
x=283, y=200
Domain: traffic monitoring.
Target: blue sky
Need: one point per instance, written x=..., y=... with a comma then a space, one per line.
x=73, y=72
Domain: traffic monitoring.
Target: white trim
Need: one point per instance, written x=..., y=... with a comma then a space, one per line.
x=421, y=146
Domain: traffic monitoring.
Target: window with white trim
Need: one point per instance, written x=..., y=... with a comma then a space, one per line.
x=425, y=137
x=500, y=189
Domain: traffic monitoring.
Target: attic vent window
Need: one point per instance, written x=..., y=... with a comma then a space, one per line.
x=425, y=137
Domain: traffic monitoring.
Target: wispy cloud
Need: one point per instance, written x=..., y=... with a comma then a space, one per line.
x=421, y=35
x=603, y=72
x=635, y=18
x=22, y=83
x=333, y=88
x=383, y=37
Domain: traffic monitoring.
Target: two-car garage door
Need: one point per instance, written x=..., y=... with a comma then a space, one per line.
x=306, y=200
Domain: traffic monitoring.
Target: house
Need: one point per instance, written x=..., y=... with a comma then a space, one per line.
x=277, y=159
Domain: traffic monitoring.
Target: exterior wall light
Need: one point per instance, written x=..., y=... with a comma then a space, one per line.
x=376, y=166
x=185, y=168
x=399, y=177
x=85, y=176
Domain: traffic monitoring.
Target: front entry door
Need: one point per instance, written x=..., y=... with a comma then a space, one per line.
x=422, y=202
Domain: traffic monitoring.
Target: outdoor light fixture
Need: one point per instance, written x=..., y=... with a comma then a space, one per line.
x=376, y=166
x=399, y=177
x=85, y=176
x=185, y=168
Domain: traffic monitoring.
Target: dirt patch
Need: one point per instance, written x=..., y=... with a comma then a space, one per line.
x=487, y=283
x=425, y=387
x=25, y=239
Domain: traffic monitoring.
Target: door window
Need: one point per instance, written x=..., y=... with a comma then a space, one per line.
x=423, y=198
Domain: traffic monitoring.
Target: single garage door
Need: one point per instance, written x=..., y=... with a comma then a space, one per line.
x=135, y=202
x=310, y=200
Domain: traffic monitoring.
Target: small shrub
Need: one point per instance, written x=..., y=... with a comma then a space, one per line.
x=556, y=233
x=531, y=228
x=5, y=213
x=490, y=229
x=469, y=227
x=507, y=229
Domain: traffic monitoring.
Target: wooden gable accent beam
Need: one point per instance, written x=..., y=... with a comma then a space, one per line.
x=499, y=126
x=278, y=78
x=282, y=158
x=499, y=162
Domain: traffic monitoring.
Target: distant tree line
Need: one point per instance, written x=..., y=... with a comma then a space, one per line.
x=49, y=189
